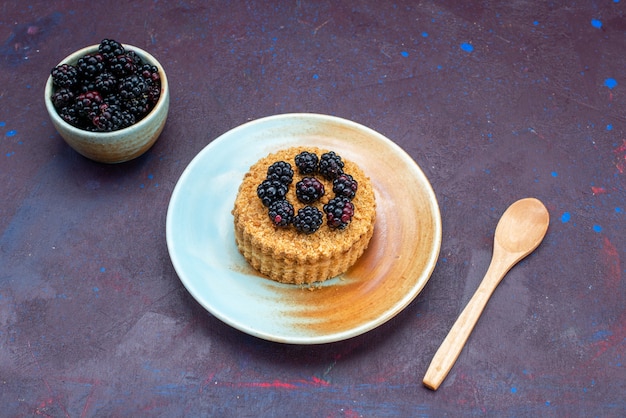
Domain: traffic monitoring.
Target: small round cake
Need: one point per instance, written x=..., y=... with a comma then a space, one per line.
x=304, y=221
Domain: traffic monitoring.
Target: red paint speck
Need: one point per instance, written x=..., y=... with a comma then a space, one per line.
x=621, y=148
x=274, y=384
x=620, y=152
x=611, y=261
x=279, y=384
x=349, y=413
x=598, y=190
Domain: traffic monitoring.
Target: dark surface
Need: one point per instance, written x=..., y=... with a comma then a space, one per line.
x=95, y=322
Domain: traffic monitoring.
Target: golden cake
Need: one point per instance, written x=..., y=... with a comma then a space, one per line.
x=284, y=248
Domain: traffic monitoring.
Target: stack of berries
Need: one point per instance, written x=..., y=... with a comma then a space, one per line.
x=339, y=210
x=107, y=90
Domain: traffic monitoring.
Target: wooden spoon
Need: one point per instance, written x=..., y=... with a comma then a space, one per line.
x=520, y=230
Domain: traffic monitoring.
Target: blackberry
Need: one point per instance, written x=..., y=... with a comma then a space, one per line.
x=339, y=212
x=87, y=104
x=130, y=108
x=134, y=94
x=112, y=118
x=308, y=220
x=270, y=191
x=103, y=120
x=132, y=87
x=110, y=49
x=309, y=189
x=62, y=98
x=330, y=165
x=105, y=83
x=127, y=119
x=154, y=92
x=306, y=162
x=85, y=86
x=281, y=213
x=280, y=171
x=135, y=58
x=65, y=76
x=345, y=186
x=139, y=107
x=90, y=66
x=113, y=99
x=151, y=73
x=123, y=65
x=70, y=115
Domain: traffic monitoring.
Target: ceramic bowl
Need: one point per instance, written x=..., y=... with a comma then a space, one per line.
x=116, y=146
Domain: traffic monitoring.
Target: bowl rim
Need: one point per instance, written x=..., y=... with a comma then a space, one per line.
x=72, y=58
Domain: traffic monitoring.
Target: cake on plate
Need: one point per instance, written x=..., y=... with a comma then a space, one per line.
x=304, y=215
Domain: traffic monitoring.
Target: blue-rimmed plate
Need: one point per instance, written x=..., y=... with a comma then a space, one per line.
x=389, y=275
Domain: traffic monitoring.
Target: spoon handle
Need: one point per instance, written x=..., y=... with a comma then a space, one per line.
x=451, y=347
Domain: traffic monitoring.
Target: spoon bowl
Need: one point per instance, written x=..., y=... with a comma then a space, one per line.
x=522, y=226
x=519, y=231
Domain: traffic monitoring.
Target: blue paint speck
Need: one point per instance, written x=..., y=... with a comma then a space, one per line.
x=565, y=217
x=536, y=22
x=597, y=228
x=596, y=23
x=424, y=34
x=554, y=174
x=609, y=127
x=12, y=132
x=315, y=76
x=150, y=176
x=610, y=83
x=467, y=47
x=513, y=390
x=599, y=336
x=2, y=124
x=619, y=210
x=547, y=403
x=404, y=54
x=102, y=269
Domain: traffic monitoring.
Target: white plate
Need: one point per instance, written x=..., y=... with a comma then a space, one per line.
x=391, y=273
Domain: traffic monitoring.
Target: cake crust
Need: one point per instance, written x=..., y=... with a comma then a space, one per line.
x=286, y=255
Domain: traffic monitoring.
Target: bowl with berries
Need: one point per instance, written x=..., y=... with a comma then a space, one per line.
x=108, y=101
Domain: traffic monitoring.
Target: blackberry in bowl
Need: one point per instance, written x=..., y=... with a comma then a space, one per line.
x=108, y=101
